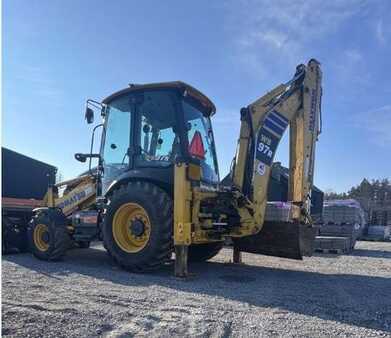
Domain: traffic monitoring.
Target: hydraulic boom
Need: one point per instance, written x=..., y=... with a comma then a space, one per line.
x=296, y=103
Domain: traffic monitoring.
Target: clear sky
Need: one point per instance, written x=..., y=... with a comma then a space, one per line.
x=58, y=53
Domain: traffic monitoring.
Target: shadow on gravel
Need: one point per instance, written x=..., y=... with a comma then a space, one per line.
x=357, y=300
x=371, y=253
x=357, y=252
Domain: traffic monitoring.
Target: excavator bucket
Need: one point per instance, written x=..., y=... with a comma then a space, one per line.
x=281, y=239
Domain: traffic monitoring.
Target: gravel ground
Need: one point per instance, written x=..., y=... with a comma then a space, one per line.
x=86, y=295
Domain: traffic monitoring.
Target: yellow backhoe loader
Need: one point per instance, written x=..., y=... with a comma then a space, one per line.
x=156, y=188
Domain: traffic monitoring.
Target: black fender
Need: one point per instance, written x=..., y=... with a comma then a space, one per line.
x=162, y=177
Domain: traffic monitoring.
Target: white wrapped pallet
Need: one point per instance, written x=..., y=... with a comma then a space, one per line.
x=343, y=212
x=278, y=211
x=342, y=219
x=333, y=244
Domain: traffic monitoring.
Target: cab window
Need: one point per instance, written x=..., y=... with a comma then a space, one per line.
x=201, y=142
x=158, y=137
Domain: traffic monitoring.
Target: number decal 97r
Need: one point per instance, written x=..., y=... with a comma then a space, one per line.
x=266, y=146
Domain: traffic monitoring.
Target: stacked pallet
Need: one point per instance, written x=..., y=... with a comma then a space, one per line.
x=336, y=245
x=379, y=232
x=342, y=224
x=348, y=232
x=379, y=228
x=343, y=212
x=342, y=230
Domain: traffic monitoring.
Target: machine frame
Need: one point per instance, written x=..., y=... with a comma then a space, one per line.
x=206, y=211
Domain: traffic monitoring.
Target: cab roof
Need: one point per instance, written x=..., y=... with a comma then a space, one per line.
x=182, y=86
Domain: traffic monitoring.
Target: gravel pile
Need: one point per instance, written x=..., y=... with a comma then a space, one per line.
x=86, y=295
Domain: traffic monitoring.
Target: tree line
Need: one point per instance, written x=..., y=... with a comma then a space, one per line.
x=379, y=190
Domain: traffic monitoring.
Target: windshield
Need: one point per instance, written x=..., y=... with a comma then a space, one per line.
x=201, y=142
x=158, y=138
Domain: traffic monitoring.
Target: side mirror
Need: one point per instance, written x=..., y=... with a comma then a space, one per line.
x=80, y=157
x=83, y=157
x=89, y=115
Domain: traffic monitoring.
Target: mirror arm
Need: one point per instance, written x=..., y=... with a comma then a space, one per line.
x=98, y=105
x=92, y=143
x=95, y=104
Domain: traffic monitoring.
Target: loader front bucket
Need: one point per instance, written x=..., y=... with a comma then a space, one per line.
x=280, y=239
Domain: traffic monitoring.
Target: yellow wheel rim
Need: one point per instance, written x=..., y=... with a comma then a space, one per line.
x=131, y=227
x=40, y=232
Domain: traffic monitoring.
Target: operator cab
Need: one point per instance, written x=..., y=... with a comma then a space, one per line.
x=147, y=127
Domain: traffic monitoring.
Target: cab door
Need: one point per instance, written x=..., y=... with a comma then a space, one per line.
x=117, y=142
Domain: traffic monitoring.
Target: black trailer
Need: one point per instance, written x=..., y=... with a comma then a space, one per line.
x=24, y=184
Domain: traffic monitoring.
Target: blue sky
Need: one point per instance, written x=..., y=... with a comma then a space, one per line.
x=56, y=54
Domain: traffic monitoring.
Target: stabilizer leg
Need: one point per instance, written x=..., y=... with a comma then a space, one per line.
x=181, y=261
x=237, y=255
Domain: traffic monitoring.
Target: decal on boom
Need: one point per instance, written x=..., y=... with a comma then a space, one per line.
x=269, y=136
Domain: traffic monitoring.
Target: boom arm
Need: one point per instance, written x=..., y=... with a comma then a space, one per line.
x=263, y=123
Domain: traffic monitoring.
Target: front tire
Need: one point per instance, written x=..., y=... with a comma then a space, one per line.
x=138, y=223
x=5, y=236
x=14, y=236
x=48, y=236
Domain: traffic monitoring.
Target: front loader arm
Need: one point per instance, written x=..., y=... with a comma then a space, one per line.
x=80, y=193
x=263, y=123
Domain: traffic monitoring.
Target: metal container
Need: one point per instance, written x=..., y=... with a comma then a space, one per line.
x=25, y=177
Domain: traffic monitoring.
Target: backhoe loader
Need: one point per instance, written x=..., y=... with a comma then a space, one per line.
x=156, y=189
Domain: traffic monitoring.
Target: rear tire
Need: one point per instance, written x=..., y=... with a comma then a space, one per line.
x=138, y=223
x=204, y=252
x=48, y=236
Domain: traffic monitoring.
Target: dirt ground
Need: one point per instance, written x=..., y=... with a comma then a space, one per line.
x=86, y=295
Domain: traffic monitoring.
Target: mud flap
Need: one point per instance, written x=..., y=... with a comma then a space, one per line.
x=280, y=239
